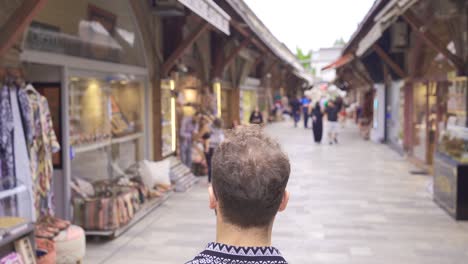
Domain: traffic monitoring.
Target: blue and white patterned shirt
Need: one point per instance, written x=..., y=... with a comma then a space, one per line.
x=221, y=253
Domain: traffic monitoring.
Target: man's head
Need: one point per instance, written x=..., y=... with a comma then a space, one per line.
x=250, y=173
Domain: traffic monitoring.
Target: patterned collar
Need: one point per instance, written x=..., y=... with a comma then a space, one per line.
x=243, y=251
x=216, y=253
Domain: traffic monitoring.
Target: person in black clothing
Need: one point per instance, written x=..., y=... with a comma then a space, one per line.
x=317, y=123
x=256, y=117
x=296, y=110
x=333, y=126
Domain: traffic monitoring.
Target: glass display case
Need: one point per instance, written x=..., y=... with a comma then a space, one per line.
x=453, y=137
x=451, y=159
x=106, y=125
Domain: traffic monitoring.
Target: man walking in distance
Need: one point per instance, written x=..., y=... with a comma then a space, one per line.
x=295, y=110
x=250, y=174
x=305, y=101
x=332, y=125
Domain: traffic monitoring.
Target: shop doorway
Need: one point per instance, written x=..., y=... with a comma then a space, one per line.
x=425, y=116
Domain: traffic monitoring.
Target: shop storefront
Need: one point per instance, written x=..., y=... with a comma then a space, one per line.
x=248, y=98
x=394, y=115
x=451, y=158
x=377, y=133
x=87, y=59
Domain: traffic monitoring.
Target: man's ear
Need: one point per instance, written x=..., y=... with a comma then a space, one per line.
x=284, y=201
x=212, y=197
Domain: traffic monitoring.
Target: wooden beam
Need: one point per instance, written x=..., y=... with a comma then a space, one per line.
x=270, y=67
x=257, y=61
x=244, y=32
x=230, y=58
x=386, y=58
x=362, y=76
x=179, y=51
x=431, y=39
x=18, y=21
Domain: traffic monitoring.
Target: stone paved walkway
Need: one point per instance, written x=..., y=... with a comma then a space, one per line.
x=351, y=203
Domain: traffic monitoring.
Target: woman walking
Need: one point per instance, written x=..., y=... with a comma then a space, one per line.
x=317, y=124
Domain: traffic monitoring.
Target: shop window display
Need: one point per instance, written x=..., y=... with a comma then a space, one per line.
x=106, y=126
x=93, y=29
x=453, y=139
x=166, y=115
x=249, y=102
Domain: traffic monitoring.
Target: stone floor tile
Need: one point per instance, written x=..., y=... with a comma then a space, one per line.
x=351, y=203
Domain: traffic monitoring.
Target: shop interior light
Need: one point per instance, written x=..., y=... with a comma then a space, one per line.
x=217, y=90
x=173, y=116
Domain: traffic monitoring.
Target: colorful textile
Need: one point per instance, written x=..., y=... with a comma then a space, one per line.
x=21, y=132
x=42, y=148
x=7, y=126
x=221, y=253
x=12, y=258
x=6, y=138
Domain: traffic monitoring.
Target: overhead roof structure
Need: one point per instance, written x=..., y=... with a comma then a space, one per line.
x=265, y=35
x=211, y=12
x=345, y=59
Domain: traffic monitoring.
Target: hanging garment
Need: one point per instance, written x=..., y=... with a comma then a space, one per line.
x=6, y=140
x=21, y=133
x=7, y=166
x=41, y=150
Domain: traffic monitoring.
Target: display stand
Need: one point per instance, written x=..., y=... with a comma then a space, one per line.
x=26, y=229
x=181, y=176
x=451, y=186
x=8, y=240
x=146, y=208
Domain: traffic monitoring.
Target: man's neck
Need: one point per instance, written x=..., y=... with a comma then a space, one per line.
x=235, y=236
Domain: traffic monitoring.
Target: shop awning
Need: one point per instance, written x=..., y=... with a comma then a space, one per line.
x=383, y=20
x=345, y=59
x=264, y=34
x=211, y=12
x=305, y=76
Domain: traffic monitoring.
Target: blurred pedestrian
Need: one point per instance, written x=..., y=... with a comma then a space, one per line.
x=317, y=123
x=256, y=117
x=295, y=110
x=305, y=101
x=332, y=124
x=215, y=139
x=188, y=129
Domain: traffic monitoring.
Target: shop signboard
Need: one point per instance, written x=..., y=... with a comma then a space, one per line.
x=211, y=12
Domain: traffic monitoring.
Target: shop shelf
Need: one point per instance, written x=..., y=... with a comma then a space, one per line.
x=92, y=146
x=127, y=138
x=11, y=192
x=24, y=230
x=106, y=143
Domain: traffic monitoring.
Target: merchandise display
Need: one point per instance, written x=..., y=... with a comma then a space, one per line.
x=12, y=258
x=70, y=245
x=26, y=150
x=166, y=118
x=453, y=137
x=108, y=205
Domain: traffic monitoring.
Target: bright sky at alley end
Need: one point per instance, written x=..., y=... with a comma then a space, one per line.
x=311, y=24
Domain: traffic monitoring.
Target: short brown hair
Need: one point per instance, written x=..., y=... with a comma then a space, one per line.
x=250, y=173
